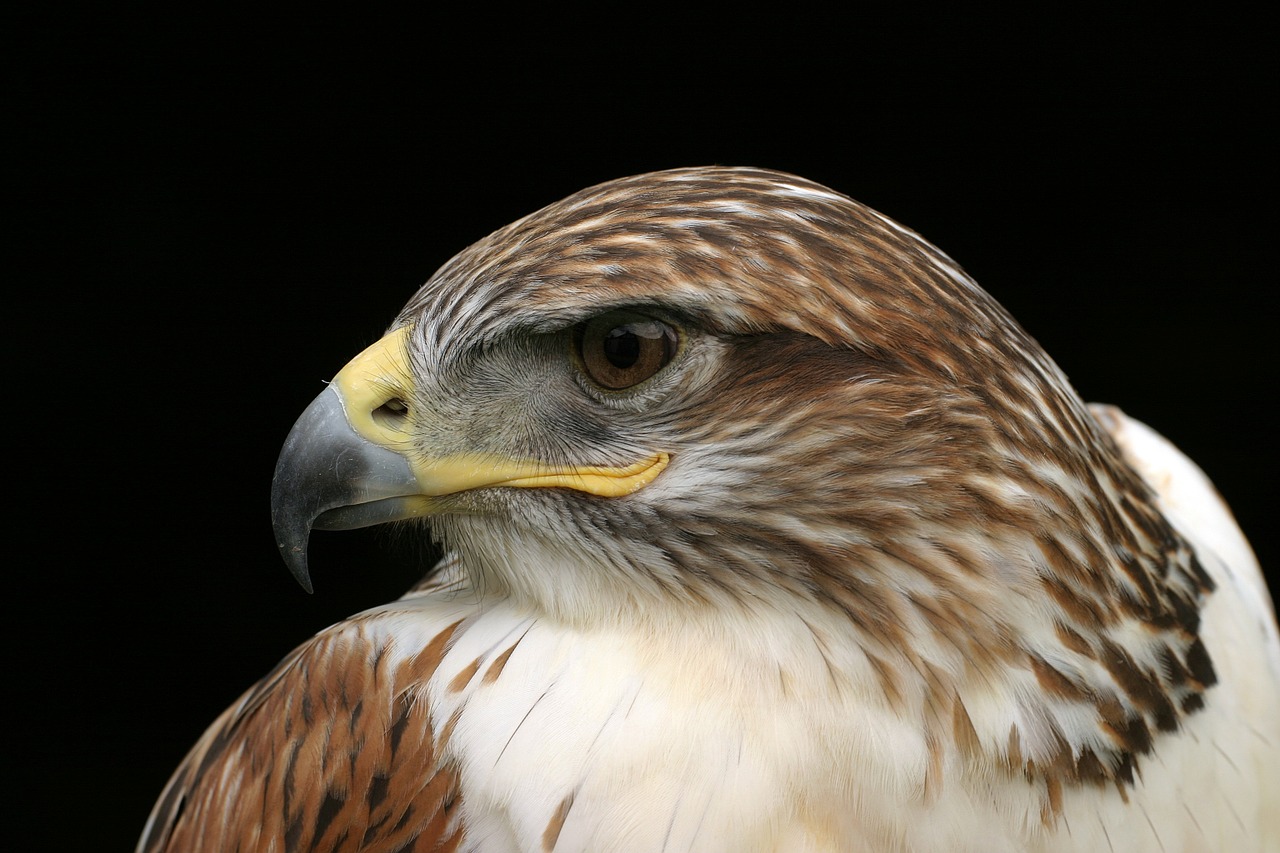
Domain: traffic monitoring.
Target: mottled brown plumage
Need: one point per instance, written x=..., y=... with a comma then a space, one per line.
x=342, y=758
x=882, y=514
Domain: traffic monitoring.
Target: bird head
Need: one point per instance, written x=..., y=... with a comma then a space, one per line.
x=727, y=387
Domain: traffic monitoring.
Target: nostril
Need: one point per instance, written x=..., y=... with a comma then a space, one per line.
x=392, y=413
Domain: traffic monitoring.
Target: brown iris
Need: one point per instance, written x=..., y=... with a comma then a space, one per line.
x=622, y=349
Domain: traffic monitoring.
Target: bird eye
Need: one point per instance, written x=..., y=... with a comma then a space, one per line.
x=619, y=349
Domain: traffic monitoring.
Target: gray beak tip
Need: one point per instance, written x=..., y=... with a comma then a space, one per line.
x=296, y=559
x=331, y=478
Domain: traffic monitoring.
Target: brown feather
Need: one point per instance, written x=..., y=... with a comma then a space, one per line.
x=333, y=751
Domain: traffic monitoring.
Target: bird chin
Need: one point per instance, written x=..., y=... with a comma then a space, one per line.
x=373, y=512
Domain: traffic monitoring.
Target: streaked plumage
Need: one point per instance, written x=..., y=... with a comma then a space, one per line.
x=849, y=566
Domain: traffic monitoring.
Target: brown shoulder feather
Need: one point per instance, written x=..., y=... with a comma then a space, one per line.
x=333, y=750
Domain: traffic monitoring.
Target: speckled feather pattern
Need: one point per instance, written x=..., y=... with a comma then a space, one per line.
x=899, y=588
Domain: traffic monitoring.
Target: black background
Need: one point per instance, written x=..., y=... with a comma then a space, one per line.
x=213, y=215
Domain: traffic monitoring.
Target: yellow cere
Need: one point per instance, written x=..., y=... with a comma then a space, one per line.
x=372, y=379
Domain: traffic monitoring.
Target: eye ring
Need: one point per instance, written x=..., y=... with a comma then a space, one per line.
x=622, y=349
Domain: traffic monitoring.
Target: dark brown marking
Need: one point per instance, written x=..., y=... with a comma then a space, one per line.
x=377, y=791
x=1143, y=688
x=1175, y=671
x=1074, y=641
x=1124, y=772
x=1055, y=683
x=1090, y=769
x=329, y=808
x=1082, y=610
x=400, y=724
x=1200, y=664
x=1129, y=734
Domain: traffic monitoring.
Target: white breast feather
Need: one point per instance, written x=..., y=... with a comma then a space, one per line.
x=749, y=747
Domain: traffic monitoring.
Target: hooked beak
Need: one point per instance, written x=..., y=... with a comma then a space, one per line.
x=350, y=460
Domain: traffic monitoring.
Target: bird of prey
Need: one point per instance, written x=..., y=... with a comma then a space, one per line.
x=766, y=529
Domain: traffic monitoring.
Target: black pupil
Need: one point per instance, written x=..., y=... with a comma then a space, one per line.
x=622, y=347
x=619, y=352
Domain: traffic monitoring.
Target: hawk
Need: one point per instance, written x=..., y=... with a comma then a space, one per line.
x=766, y=529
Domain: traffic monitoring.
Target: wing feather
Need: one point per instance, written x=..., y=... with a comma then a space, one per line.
x=1189, y=498
x=1232, y=790
x=333, y=750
